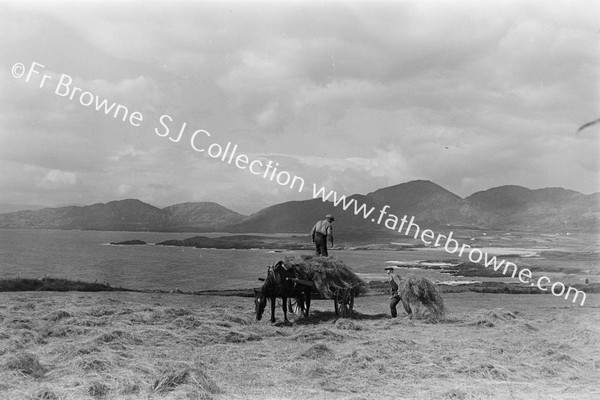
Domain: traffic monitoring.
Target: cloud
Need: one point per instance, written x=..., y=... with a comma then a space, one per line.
x=124, y=190
x=57, y=180
x=38, y=119
x=351, y=95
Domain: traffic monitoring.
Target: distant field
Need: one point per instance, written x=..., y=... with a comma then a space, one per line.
x=119, y=345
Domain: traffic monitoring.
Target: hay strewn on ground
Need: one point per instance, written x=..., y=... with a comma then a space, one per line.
x=131, y=346
x=328, y=274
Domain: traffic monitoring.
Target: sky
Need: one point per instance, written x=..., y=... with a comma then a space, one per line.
x=353, y=96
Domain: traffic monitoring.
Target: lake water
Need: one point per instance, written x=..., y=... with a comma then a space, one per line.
x=87, y=256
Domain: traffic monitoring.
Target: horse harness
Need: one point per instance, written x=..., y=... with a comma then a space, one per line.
x=279, y=279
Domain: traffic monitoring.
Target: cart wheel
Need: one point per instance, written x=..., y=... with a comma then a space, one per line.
x=345, y=305
x=344, y=310
x=341, y=304
x=293, y=306
x=335, y=305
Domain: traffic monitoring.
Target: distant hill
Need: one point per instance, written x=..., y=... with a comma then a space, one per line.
x=550, y=209
x=292, y=216
x=116, y=215
x=7, y=208
x=125, y=215
x=204, y=215
x=505, y=207
x=428, y=202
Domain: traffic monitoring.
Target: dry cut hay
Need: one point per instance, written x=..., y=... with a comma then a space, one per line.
x=98, y=389
x=44, y=394
x=317, y=351
x=416, y=291
x=328, y=274
x=498, y=317
x=169, y=379
x=27, y=364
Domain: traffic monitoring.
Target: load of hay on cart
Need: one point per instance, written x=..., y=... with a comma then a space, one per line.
x=329, y=278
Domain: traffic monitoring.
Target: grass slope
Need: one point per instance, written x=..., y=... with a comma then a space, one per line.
x=53, y=285
x=126, y=345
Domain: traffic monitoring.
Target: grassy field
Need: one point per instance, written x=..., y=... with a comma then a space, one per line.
x=125, y=345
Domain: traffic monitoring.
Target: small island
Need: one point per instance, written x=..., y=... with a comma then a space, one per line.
x=129, y=243
x=244, y=242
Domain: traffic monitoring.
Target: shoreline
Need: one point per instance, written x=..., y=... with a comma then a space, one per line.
x=49, y=284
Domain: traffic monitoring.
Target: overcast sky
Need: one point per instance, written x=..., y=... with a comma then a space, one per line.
x=351, y=95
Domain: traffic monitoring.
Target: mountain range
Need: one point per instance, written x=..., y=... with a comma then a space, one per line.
x=504, y=208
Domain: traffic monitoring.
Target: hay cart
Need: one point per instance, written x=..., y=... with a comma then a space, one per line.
x=328, y=278
x=343, y=299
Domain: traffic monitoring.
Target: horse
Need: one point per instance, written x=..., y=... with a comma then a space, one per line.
x=279, y=284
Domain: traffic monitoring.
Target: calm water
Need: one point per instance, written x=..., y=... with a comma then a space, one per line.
x=86, y=255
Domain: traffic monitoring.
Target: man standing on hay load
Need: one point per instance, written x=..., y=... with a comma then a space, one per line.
x=322, y=231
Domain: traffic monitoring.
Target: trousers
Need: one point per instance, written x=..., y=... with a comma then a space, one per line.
x=321, y=244
x=394, y=300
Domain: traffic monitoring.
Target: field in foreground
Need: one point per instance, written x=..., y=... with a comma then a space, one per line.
x=120, y=345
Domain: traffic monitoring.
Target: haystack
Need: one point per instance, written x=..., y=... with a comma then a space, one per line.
x=420, y=290
x=328, y=274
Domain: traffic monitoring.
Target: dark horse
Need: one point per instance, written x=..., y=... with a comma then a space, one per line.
x=279, y=284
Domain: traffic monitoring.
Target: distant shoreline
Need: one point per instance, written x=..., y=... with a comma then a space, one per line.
x=375, y=288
